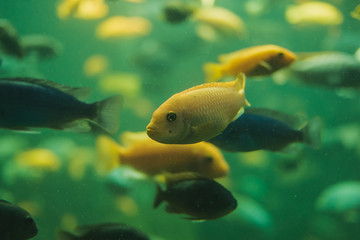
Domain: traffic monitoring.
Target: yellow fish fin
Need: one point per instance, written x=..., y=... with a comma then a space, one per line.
x=266, y=65
x=213, y=72
x=240, y=81
x=108, y=155
x=239, y=113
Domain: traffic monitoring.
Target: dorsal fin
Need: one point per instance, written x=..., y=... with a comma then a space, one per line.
x=79, y=93
x=292, y=121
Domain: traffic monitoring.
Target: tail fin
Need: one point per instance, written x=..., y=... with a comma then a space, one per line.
x=159, y=196
x=108, y=155
x=107, y=113
x=213, y=72
x=63, y=235
x=312, y=133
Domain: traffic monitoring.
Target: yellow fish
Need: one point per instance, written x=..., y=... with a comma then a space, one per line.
x=198, y=113
x=252, y=61
x=122, y=27
x=151, y=157
x=314, y=12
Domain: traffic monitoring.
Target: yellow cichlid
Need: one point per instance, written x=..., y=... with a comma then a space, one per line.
x=152, y=158
x=314, y=12
x=253, y=61
x=198, y=113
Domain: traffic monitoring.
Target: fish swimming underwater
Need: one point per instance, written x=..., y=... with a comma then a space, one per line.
x=27, y=103
x=151, y=157
x=10, y=40
x=104, y=231
x=253, y=61
x=329, y=69
x=16, y=223
x=199, y=197
x=198, y=113
x=266, y=129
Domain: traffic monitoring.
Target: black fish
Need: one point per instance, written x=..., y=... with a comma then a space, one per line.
x=33, y=103
x=105, y=231
x=260, y=128
x=16, y=223
x=9, y=39
x=199, y=197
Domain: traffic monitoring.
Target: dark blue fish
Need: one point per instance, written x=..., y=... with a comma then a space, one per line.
x=104, y=231
x=265, y=129
x=199, y=197
x=16, y=223
x=33, y=103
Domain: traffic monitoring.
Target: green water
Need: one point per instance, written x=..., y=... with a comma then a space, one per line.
x=286, y=197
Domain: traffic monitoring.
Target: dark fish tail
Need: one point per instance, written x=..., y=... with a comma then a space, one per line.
x=107, y=113
x=312, y=133
x=160, y=196
x=63, y=235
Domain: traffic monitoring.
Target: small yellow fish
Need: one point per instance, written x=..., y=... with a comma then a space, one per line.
x=152, y=158
x=82, y=9
x=198, y=113
x=356, y=13
x=252, y=61
x=219, y=22
x=314, y=12
x=120, y=27
x=39, y=158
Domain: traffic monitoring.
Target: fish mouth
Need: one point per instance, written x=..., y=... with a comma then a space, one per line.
x=151, y=131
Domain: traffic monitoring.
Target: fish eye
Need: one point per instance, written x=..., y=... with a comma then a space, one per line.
x=208, y=160
x=280, y=54
x=171, y=116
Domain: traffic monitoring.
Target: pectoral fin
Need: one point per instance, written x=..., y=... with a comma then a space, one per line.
x=266, y=65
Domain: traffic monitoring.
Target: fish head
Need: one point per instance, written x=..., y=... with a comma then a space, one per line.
x=168, y=124
x=211, y=162
x=281, y=58
x=29, y=228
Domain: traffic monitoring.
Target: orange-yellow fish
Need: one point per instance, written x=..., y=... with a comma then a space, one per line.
x=198, y=113
x=151, y=157
x=253, y=61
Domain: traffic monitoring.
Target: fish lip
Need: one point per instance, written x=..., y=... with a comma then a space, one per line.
x=150, y=131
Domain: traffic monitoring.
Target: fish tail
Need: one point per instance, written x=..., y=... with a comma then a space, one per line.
x=64, y=235
x=107, y=113
x=213, y=72
x=108, y=155
x=159, y=196
x=312, y=133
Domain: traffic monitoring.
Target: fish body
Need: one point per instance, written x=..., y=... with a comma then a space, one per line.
x=253, y=61
x=198, y=113
x=333, y=69
x=33, y=103
x=16, y=223
x=151, y=157
x=255, y=130
x=105, y=231
x=200, y=198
